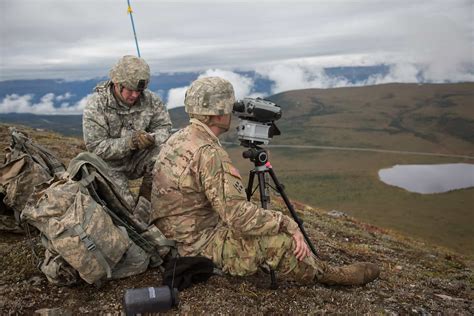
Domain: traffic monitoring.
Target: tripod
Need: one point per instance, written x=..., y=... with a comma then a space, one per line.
x=259, y=157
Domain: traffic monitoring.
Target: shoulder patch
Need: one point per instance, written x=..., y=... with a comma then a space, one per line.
x=233, y=171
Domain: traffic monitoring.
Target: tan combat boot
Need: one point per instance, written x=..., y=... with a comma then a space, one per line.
x=358, y=273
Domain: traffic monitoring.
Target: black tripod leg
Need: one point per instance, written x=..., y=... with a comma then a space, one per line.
x=273, y=284
x=261, y=187
x=290, y=207
x=250, y=185
x=264, y=200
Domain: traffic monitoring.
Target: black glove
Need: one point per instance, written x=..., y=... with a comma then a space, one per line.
x=187, y=271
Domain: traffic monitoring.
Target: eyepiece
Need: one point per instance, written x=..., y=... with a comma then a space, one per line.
x=239, y=106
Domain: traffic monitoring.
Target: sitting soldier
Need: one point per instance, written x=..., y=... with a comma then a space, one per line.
x=197, y=200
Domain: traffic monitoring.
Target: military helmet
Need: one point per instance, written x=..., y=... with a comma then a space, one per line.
x=131, y=72
x=209, y=96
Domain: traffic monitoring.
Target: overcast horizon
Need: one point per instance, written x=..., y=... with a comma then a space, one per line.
x=285, y=42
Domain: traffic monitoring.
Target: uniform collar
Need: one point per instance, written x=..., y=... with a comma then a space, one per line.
x=206, y=128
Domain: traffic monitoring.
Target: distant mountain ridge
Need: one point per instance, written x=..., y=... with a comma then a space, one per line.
x=160, y=83
x=432, y=115
x=69, y=125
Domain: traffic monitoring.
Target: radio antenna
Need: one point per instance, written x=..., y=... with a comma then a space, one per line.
x=130, y=11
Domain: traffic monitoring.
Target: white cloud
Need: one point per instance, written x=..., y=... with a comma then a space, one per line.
x=243, y=86
x=408, y=73
x=308, y=74
x=293, y=76
x=176, y=97
x=15, y=103
x=63, y=97
x=413, y=73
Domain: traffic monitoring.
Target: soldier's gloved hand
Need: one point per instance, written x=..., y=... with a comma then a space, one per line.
x=141, y=140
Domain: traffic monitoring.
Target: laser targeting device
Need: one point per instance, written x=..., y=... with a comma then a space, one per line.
x=256, y=121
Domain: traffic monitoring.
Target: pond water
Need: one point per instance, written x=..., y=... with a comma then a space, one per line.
x=428, y=179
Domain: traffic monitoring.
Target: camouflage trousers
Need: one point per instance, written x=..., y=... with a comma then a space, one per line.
x=140, y=164
x=241, y=256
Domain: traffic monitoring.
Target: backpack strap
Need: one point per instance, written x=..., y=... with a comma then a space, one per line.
x=91, y=246
x=38, y=153
x=78, y=230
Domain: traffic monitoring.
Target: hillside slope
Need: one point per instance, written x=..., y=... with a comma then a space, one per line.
x=415, y=279
x=411, y=117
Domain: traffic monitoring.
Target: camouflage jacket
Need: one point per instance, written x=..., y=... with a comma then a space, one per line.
x=107, y=124
x=197, y=192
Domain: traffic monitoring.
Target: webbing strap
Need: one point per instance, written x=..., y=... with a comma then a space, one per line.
x=22, y=142
x=89, y=211
x=58, y=168
x=91, y=246
x=88, y=180
x=166, y=242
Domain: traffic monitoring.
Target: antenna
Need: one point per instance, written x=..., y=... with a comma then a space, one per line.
x=130, y=11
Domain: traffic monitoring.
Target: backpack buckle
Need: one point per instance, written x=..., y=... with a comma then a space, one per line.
x=90, y=245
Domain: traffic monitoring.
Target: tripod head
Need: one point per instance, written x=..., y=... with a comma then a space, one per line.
x=257, y=155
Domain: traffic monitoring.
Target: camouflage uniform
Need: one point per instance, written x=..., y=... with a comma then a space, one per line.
x=198, y=200
x=108, y=124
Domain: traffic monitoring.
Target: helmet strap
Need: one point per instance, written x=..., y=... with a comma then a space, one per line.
x=119, y=94
x=223, y=126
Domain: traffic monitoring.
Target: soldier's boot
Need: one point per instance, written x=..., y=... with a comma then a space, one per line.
x=354, y=274
x=145, y=188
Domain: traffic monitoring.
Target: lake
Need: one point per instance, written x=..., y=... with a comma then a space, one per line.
x=427, y=179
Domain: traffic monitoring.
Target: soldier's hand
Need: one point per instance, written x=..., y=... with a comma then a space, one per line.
x=301, y=250
x=141, y=140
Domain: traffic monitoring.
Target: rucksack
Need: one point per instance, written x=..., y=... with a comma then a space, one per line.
x=85, y=221
x=26, y=165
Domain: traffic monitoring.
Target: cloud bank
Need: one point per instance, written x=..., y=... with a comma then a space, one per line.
x=284, y=77
x=24, y=104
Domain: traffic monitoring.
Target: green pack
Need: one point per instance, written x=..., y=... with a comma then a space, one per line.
x=85, y=221
x=92, y=172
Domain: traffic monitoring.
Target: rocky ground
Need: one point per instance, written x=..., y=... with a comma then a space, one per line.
x=416, y=278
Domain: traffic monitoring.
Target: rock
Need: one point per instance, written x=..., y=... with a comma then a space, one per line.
x=52, y=312
x=337, y=214
x=449, y=298
x=35, y=280
x=83, y=310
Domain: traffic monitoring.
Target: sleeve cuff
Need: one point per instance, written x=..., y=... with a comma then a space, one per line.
x=288, y=225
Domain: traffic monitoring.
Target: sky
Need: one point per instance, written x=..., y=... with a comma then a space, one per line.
x=288, y=42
